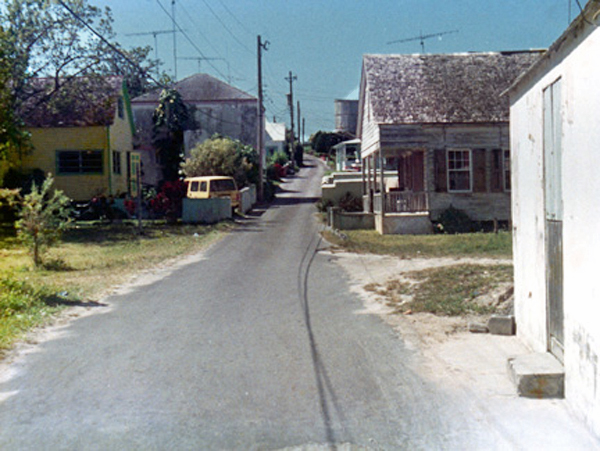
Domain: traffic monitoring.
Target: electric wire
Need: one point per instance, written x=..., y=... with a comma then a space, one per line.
x=113, y=47
x=240, y=23
x=227, y=28
x=192, y=43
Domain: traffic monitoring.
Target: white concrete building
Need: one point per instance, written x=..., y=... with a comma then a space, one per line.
x=275, y=138
x=555, y=142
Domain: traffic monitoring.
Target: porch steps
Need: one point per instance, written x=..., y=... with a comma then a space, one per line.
x=538, y=375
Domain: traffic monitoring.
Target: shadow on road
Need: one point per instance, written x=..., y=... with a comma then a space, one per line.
x=328, y=399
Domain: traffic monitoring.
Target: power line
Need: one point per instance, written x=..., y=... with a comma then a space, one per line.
x=188, y=38
x=227, y=28
x=109, y=44
x=241, y=24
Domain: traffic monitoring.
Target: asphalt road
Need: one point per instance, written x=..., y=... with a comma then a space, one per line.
x=258, y=344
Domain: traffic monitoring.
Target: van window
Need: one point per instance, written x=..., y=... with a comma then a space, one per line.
x=194, y=186
x=203, y=186
x=222, y=185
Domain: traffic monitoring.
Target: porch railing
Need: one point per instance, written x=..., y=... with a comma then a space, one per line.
x=406, y=202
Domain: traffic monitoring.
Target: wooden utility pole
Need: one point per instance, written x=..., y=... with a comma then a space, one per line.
x=303, y=129
x=299, y=128
x=174, y=40
x=261, y=119
x=291, y=79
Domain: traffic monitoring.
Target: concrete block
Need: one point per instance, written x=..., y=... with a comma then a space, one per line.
x=502, y=325
x=537, y=375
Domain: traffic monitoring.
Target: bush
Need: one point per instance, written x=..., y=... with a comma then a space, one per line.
x=223, y=156
x=454, y=221
x=169, y=201
x=43, y=216
x=350, y=202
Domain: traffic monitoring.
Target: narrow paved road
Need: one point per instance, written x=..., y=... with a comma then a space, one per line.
x=258, y=345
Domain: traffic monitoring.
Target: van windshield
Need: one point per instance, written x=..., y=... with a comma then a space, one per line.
x=222, y=185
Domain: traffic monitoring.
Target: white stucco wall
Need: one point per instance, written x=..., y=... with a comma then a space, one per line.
x=578, y=65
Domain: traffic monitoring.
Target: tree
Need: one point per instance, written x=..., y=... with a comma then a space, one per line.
x=170, y=118
x=43, y=216
x=14, y=141
x=42, y=38
x=223, y=156
x=322, y=142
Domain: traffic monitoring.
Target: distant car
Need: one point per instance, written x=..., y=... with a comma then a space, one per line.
x=209, y=187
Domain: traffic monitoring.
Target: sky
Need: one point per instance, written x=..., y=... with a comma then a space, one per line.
x=322, y=41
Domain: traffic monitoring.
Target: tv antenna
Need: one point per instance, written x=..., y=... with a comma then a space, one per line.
x=155, y=34
x=421, y=38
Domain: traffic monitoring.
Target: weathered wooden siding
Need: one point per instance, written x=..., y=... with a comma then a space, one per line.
x=485, y=136
x=370, y=138
x=487, y=202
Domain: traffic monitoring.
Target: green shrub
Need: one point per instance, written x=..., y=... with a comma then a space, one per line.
x=43, y=216
x=223, y=156
x=454, y=221
x=351, y=203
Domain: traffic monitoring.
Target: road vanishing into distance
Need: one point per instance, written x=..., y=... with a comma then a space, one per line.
x=256, y=344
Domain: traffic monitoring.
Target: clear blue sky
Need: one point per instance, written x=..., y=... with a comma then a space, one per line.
x=322, y=41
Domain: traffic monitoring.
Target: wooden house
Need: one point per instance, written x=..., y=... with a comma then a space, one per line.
x=83, y=137
x=440, y=122
x=555, y=108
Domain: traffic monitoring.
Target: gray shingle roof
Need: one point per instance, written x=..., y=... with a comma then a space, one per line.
x=200, y=88
x=445, y=88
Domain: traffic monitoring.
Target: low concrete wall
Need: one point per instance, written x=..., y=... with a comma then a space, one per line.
x=247, y=198
x=334, y=192
x=207, y=211
x=337, y=184
x=403, y=224
x=343, y=220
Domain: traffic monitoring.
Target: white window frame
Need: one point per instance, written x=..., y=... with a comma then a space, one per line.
x=469, y=170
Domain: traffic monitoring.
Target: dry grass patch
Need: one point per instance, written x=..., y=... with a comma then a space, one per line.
x=492, y=245
x=450, y=290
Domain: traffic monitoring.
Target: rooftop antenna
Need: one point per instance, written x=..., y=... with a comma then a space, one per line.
x=154, y=34
x=421, y=38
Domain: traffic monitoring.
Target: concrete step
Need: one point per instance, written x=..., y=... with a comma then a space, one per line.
x=538, y=375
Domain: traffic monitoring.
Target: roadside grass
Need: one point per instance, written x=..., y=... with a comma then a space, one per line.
x=92, y=258
x=490, y=245
x=448, y=291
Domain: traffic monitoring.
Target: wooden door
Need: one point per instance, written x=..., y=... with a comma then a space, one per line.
x=411, y=172
x=554, y=217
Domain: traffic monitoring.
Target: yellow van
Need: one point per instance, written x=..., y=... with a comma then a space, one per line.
x=208, y=187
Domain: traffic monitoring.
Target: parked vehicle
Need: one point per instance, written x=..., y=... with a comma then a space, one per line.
x=209, y=187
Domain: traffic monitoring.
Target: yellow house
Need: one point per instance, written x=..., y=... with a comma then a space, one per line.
x=84, y=139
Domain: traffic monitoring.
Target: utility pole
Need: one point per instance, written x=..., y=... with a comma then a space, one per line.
x=174, y=40
x=291, y=79
x=303, y=129
x=299, y=121
x=260, y=46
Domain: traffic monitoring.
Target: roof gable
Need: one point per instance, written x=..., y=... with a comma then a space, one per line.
x=445, y=88
x=200, y=88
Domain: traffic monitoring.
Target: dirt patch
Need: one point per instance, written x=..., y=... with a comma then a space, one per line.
x=368, y=273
